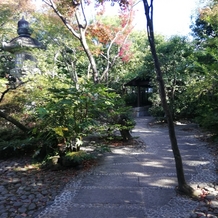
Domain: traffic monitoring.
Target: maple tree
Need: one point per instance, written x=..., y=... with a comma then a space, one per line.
x=183, y=187
x=57, y=64
x=96, y=38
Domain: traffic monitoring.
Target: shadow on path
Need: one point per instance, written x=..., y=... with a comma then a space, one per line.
x=138, y=181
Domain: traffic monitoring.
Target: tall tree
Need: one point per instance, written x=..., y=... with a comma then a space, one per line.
x=203, y=91
x=73, y=16
x=182, y=185
x=176, y=59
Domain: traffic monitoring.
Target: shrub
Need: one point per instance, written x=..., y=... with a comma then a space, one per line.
x=73, y=159
x=70, y=113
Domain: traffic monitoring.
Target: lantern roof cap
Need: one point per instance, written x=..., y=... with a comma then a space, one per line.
x=23, y=28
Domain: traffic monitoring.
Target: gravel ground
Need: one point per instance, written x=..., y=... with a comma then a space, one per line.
x=26, y=190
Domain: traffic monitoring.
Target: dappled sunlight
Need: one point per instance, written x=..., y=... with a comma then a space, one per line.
x=25, y=184
x=28, y=167
x=191, y=144
x=196, y=162
x=153, y=164
x=180, y=124
x=168, y=158
x=157, y=181
x=16, y=174
x=119, y=151
x=141, y=131
x=143, y=174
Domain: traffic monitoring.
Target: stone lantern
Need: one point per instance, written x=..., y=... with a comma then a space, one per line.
x=21, y=47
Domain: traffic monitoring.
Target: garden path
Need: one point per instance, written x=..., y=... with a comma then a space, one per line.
x=139, y=181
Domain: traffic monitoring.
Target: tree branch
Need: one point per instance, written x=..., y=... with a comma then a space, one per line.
x=83, y=12
x=110, y=63
x=8, y=89
x=80, y=36
x=51, y=4
x=13, y=121
x=3, y=94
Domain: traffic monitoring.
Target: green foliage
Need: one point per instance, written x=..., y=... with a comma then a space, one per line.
x=102, y=148
x=16, y=147
x=15, y=143
x=7, y=32
x=176, y=58
x=69, y=113
x=202, y=90
x=208, y=117
x=157, y=112
x=76, y=158
x=60, y=106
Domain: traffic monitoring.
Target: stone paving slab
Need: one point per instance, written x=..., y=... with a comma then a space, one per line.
x=134, y=183
x=158, y=169
x=154, y=196
x=123, y=168
x=190, y=157
x=106, y=211
x=167, y=180
x=112, y=159
x=106, y=195
x=114, y=180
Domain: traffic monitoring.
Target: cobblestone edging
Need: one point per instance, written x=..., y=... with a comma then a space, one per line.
x=62, y=202
x=180, y=207
x=177, y=207
x=26, y=198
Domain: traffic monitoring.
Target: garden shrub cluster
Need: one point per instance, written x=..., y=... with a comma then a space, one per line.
x=61, y=118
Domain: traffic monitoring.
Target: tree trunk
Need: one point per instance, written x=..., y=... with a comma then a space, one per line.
x=125, y=135
x=13, y=121
x=91, y=58
x=182, y=185
x=83, y=42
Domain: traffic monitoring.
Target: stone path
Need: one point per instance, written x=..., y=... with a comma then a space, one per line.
x=139, y=181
